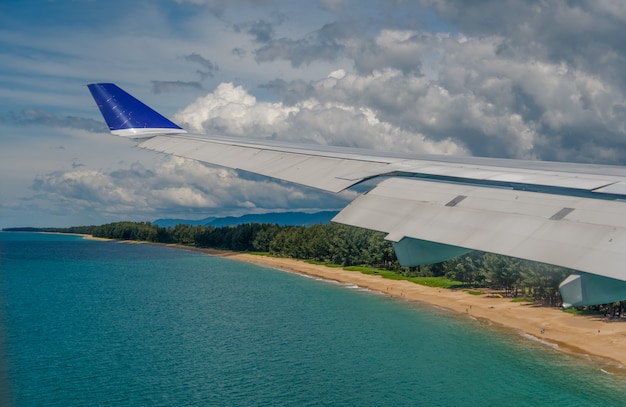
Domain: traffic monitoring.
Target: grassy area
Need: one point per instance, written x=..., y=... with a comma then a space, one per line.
x=472, y=292
x=523, y=299
x=439, y=282
x=265, y=254
x=577, y=311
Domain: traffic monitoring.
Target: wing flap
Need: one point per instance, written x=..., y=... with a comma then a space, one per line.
x=508, y=175
x=589, y=235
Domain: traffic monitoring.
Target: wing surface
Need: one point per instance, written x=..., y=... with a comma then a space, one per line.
x=578, y=233
x=318, y=171
x=432, y=207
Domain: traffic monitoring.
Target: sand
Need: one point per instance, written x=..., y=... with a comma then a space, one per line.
x=591, y=336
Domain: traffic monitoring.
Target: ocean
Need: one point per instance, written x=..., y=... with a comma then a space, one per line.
x=92, y=323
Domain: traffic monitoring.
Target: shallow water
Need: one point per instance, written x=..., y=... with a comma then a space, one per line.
x=105, y=323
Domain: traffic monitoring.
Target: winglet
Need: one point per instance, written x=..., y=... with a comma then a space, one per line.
x=127, y=116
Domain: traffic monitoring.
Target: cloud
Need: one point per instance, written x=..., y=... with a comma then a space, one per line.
x=262, y=31
x=177, y=187
x=173, y=86
x=199, y=59
x=325, y=44
x=42, y=118
x=210, y=67
x=498, y=88
x=481, y=104
x=584, y=35
x=334, y=5
x=320, y=118
x=218, y=7
x=561, y=109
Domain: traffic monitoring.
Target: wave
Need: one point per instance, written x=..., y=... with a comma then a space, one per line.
x=541, y=341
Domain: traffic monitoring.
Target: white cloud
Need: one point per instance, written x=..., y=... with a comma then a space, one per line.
x=231, y=110
x=176, y=188
x=339, y=116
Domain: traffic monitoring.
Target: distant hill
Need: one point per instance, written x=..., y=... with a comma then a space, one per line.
x=173, y=222
x=282, y=219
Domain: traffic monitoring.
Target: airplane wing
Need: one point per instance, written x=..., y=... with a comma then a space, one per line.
x=432, y=208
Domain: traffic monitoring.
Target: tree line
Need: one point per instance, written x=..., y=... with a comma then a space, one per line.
x=349, y=246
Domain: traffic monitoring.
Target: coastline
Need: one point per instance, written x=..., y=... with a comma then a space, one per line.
x=591, y=336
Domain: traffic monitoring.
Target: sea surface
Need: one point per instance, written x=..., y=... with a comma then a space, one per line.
x=91, y=323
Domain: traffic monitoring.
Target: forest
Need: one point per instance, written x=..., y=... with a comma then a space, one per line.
x=350, y=246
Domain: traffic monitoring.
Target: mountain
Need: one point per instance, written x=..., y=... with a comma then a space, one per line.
x=281, y=218
x=173, y=222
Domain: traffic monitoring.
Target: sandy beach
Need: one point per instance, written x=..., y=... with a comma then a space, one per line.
x=584, y=335
x=593, y=336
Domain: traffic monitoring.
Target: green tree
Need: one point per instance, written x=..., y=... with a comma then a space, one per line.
x=502, y=271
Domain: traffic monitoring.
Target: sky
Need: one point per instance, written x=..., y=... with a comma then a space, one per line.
x=538, y=80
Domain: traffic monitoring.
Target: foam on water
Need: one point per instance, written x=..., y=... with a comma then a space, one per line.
x=539, y=340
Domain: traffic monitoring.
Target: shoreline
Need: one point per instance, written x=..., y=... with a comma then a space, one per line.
x=593, y=336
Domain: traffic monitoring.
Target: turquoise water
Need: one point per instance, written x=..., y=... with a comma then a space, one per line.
x=102, y=323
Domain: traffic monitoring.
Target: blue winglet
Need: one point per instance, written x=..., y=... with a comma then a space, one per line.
x=127, y=116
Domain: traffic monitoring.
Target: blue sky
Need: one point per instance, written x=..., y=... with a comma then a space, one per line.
x=530, y=80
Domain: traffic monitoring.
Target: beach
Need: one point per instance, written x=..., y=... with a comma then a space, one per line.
x=593, y=336
x=585, y=335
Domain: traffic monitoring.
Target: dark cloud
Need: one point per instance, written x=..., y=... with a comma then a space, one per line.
x=136, y=172
x=291, y=92
x=262, y=31
x=334, y=5
x=324, y=44
x=173, y=86
x=240, y=52
x=587, y=35
x=357, y=40
x=209, y=67
x=199, y=59
x=299, y=52
x=42, y=118
x=219, y=7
